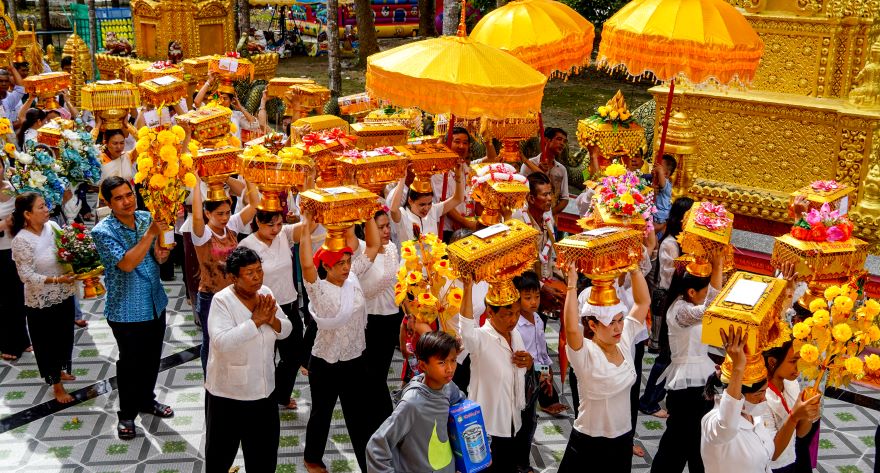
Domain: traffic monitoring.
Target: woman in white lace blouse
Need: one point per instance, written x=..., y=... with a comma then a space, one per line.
x=48, y=290
x=338, y=366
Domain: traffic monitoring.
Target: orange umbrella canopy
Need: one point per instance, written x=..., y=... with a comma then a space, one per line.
x=702, y=39
x=545, y=34
x=453, y=74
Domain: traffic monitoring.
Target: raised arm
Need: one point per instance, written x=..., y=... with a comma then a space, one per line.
x=641, y=295
x=200, y=96
x=571, y=312
x=309, y=272
x=250, y=210
x=373, y=240
x=198, y=210
x=458, y=197
x=394, y=201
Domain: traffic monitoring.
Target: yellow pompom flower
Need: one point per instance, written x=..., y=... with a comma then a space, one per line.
x=142, y=145
x=166, y=138
x=234, y=141
x=831, y=292
x=843, y=303
x=873, y=334
x=193, y=148
x=9, y=148
x=144, y=132
x=168, y=152
x=817, y=304
x=171, y=170
x=872, y=308
x=872, y=361
x=179, y=132
x=627, y=198
x=800, y=330
x=841, y=332
x=186, y=160
x=158, y=181
x=809, y=353
x=821, y=318
x=139, y=177
x=189, y=180
x=145, y=163
x=855, y=366
x=614, y=170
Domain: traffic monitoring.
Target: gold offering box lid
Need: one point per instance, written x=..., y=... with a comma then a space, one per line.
x=323, y=122
x=164, y=85
x=601, y=250
x=513, y=128
x=508, y=187
x=232, y=67
x=151, y=72
x=109, y=95
x=820, y=260
x=719, y=236
x=371, y=157
x=205, y=114
x=278, y=86
x=497, y=252
x=610, y=139
x=427, y=151
x=217, y=152
x=47, y=81
x=751, y=301
x=379, y=129
x=310, y=88
x=817, y=197
x=337, y=205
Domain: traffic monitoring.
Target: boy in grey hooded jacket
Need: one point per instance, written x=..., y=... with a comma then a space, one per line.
x=415, y=438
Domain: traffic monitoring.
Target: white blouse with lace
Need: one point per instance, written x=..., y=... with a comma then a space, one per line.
x=35, y=257
x=382, y=276
x=340, y=336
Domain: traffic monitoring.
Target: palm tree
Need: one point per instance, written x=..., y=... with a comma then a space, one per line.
x=334, y=64
x=451, y=12
x=426, y=18
x=44, y=19
x=244, y=17
x=368, y=44
x=93, y=36
x=13, y=12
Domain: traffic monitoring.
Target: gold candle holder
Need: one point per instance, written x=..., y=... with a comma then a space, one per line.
x=274, y=175
x=602, y=255
x=427, y=159
x=46, y=87
x=338, y=209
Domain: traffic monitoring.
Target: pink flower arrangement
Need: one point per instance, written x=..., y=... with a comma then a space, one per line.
x=497, y=172
x=627, y=195
x=825, y=186
x=823, y=224
x=712, y=216
x=360, y=154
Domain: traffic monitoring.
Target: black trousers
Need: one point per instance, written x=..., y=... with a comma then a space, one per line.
x=14, y=337
x=140, y=351
x=288, y=350
x=383, y=335
x=52, y=333
x=503, y=455
x=252, y=424
x=680, y=444
x=634, y=391
x=526, y=434
x=462, y=375
x=343, y=380
x=608, y=455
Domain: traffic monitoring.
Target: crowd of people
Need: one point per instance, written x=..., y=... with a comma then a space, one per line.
x=273, y=303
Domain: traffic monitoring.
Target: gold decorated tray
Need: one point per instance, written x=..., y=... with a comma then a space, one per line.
x=820, y=260
x=601, y=251
x=279, y=86
x=46, y=83
x=161, y=91
x=602, y=217
x=378, y=135
x=110, y=95
x=499, y=256
x=207, y=122
x=753, y=302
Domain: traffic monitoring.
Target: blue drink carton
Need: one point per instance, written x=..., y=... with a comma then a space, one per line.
x=470, y=442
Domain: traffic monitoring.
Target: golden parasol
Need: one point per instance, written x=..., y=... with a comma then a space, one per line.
x=545, y=34
x=455, y=75
x=701, y=39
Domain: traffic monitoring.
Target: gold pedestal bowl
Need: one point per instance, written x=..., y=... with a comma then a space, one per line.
x=338, y=209
x=92, y=286
x=602, y=255
x=215, y=166
x=498, y=198
x=511, y=131
x=426, y=160
x=272, y=176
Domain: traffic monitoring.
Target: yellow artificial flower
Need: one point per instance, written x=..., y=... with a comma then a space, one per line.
x=139, y=177
x=430, y=239
x=821, y=318
x=613, y=115
x=426, y=299
x=399, y=293
x=232, y=127
x=414, y=277
x=442, y=267
x=873, y=334
x=603, y=111
x=855, y=366
x=171, y=170
x=186, y=160
x=809, y=353
x=842, y=332
x=872, y=361
x=193, y=148
x=817, y=304
x=455, y=296
x=166, y=138
x=168, y=152
x=408, y=251
x=4, y=129
x=9, y=148
x=142, y=145
x=145, y=163
x=615, y=169
x=843, y=303
x=627, y=198
x=144, y=132
x=179, y=132
x=624, y=116
x=800, y=330
x=831, y=292
x=158, y=181
x=872, y=308
x=189, y=180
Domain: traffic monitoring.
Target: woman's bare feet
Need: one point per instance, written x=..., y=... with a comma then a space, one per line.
x=291, y=405
x=8, y=357
x=65, y=376
x=61, y=394
x=555, y=409
x=661, y=414
x=638, y=451
x=315, y=467
x=29, y=349
x=81, y=323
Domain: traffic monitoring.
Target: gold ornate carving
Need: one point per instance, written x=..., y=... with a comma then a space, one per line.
x=184, y=21
x=866, y=90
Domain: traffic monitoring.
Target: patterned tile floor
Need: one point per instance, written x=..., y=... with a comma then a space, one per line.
x=82, y=438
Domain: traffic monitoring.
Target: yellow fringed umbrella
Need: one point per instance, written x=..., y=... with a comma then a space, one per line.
x=455, y=75
x=545, y=34
x=702, y=39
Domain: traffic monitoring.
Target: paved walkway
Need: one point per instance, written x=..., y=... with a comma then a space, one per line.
x=82, y=438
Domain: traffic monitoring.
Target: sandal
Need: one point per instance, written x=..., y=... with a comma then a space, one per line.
x=638, y=451
x=555, y=409
x=125, y=430
x=160, y=410
x=8, y=357
x=81, y=323
x=290, y=405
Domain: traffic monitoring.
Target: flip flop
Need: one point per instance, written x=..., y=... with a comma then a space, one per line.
x=9, y=357
x=126, y=430
x=160, y=410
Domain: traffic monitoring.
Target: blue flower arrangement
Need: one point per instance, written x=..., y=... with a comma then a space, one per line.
x=80, y=158
x=35, y=170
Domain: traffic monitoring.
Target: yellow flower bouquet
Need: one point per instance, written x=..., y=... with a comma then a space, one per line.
x=829, y=342
x=427, y=276
x=164, y=168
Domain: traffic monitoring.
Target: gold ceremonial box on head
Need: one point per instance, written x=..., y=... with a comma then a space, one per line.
x=378, y=135
x=275, y=174
x=200, y=26
x=758, y=314
x=602, y=254
x=497, y=258
x=207, y=123
x=373, y=170
x=812, y=112
x=426, y=160
x=338, y=208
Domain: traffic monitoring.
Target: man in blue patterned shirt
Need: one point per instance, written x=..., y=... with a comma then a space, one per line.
x=136, y=301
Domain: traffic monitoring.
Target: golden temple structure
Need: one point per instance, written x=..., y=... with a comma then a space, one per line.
x=202, y=27
x=812, y=112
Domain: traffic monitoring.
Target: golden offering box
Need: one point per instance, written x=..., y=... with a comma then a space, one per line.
x=513, y=128
x=207, y=122
x=278, y=86
x=375, y=136
x=509, y=249
x=215, y=165
x=323, y=122
x=820, y=260
x=196, y=68
x=601, y=251
x=45, y=83
x=357, y=104
x=109, y=95
x=408, y=117
x=427, y=159
x=752, y=302
x=167, y=90
x=373, y=170
x=50, y=133
x=311, y=95
x=612, y=140
x=838, y=199
x=273, y=175
x=338, y=208
x=497, y=196
x=234, y=68
x=155, y=72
